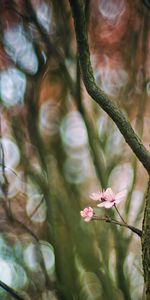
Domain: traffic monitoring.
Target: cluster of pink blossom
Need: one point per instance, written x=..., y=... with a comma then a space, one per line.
x=107, y=199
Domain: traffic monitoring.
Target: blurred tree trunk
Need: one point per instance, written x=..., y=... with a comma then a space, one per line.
x=146, y=243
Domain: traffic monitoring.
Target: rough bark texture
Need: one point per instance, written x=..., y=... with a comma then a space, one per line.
x=146, y=244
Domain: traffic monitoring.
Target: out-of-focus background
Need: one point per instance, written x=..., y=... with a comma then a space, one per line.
x=57, y=146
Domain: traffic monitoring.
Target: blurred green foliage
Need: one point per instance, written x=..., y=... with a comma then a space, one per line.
x=68, y=149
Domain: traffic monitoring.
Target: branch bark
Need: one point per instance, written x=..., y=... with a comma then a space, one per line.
x=112, y=221
x=146, y=243
x=10, y=290
x=96, y=93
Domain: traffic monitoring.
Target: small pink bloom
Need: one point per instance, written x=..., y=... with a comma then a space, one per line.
x=87, y=213
x=107, y=198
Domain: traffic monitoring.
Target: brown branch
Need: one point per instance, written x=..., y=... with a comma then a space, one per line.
x=96, y=93
x=146, y=243
x=112, y=221
x=10, y=290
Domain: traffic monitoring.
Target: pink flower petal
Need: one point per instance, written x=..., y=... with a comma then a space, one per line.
x=90, y=209
x=106, y=204
x=87, y=213
x=90, y=214
x=108, y=195
x=87, y=219
x=109, y=204
x=82, y=213
x=109, y=192
x=101, y=204
x=121, y=195
x=107, y=198
x=96, y=196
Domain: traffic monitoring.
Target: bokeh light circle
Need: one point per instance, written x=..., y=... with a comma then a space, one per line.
x=12, y=86
x=73, y=130
x=36, y=208
x=48, y=256
x=11, y=153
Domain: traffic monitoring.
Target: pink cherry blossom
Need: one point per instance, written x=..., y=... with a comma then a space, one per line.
x=87, y=213
x=108, y=198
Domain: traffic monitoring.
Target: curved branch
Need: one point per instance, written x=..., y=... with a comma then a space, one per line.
x=96, y=93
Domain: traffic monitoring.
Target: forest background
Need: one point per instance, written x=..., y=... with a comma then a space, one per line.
x=57, y=146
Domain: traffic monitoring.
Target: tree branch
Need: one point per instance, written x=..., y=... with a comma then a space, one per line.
x=112, y=221
x=11, y=291
x=96, y=93
x=146, y=243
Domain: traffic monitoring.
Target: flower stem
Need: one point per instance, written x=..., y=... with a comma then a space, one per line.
x=119, y=214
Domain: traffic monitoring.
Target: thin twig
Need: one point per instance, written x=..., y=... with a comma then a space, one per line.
x=120, y=214
x=10, y=290
x=112, y=221
x=36, y=208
